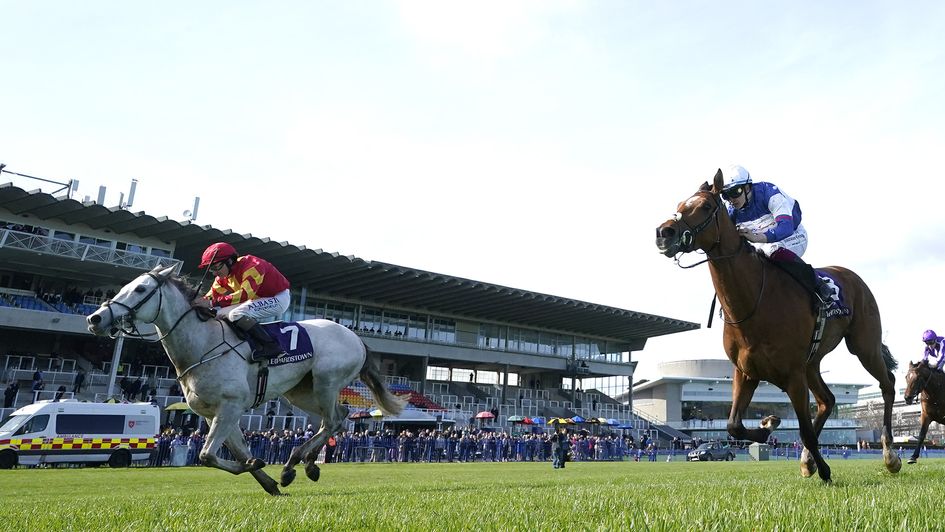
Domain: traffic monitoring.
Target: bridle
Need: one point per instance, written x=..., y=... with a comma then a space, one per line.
x=688, y=236
x=920, y=388
x=127, y=323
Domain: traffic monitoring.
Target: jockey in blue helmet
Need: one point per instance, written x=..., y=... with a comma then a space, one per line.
x=933, y=348
x=771, y=221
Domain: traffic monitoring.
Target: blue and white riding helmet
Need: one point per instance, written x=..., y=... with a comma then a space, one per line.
x=735, y=176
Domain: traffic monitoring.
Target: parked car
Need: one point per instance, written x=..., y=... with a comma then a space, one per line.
x=711, y=451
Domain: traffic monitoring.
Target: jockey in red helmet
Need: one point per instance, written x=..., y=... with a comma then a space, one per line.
x=248, y=291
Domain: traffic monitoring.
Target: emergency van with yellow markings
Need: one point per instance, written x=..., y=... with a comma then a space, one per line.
x=69, y=431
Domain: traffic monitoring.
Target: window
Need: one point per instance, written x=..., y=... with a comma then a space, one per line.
x=62, y=235
x=546, y=343
x=417, y=328
x=395, y=324
x=529, y=341
x=444, y=331
x=158, y=252
x=491, y=336
x=89, y=424
x=35, y=424
x=342, y=314
x=370, y=321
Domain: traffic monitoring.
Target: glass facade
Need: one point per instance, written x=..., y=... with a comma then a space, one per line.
x=425, y=328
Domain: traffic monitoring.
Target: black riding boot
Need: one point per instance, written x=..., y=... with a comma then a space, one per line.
x=804, y=274
x=265, y=347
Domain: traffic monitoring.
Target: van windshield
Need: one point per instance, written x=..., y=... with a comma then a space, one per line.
x=12, y=423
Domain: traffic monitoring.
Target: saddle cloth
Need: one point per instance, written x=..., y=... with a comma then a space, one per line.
x=839, y=307
x=294, y=340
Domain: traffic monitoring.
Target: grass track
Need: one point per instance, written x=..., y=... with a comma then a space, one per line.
x=722, y=496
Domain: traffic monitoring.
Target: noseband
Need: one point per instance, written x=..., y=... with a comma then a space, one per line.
x=127, y=323
x=688, y=236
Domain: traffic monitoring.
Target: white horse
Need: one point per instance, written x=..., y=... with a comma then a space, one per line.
x=219, y=383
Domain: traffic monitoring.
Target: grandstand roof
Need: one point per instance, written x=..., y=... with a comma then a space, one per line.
x=350, y=277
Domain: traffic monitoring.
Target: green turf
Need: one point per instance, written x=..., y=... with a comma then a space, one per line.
x=721, y=496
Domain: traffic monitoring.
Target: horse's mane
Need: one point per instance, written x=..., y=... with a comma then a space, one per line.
x=183, y=286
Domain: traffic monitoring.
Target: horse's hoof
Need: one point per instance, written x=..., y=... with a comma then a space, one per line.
x=312, y=471
x=894, y=463
x=770, y=423
x=911, y=461
x=808, y=464
x=288, y=475
x=255, y=464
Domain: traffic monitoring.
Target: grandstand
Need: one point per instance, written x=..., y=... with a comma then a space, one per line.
x=454, y=346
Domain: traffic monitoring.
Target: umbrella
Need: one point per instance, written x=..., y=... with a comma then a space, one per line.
x=625, y=426
x=561, y=420
x=377, y=412
x=360, y=414
x=591, y=420
x=485, y=414
x=538, y=420
x=577, y=419
x=527, y=421
x=177, y=406
x=612, y=422
x=516, y=419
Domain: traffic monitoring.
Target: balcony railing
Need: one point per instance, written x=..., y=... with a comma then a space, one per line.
x=85, y=252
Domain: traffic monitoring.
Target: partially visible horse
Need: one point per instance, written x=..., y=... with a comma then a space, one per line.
x=922, y=379
x=769, y=323
x=219, y=383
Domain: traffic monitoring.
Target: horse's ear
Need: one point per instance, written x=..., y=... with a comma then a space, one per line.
x=717, y=182
x=166, y=272
x=705, y=187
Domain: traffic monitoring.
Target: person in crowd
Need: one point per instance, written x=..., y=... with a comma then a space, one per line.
x=248, y=291
x=771, y=222
x=559, y=446
x=38, y=386
x=9, y=394
x=61, y=391
x=152, y=386
x=78, y=382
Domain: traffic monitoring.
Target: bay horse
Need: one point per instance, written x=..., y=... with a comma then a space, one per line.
x=930, y=383
x=220, y=384
x=769, y=321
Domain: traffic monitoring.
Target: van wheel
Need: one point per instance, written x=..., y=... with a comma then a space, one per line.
x=8, y=459
x=120, y=458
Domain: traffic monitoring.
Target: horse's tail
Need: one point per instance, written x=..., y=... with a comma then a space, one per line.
x=371, y=376
x=891, y=363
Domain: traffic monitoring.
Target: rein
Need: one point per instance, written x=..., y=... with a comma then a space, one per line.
x=687, y=238
x=128, y=326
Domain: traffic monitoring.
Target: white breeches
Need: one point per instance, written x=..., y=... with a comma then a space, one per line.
x=796, y=243
x=264, y=309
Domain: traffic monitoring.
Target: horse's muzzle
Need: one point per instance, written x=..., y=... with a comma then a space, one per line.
x=667, y=240
x=668, y=246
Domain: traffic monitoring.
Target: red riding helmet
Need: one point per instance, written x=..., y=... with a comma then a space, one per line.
x=217, y=252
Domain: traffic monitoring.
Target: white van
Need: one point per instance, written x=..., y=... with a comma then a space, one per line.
x=68, y=431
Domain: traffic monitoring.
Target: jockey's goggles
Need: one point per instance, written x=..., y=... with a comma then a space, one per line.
x=733, y=192
x=216, y=266
x=930, y=342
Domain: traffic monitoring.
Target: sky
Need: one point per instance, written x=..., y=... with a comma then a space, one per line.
x=531, y=144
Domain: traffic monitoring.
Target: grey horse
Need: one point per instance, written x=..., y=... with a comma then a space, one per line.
x=219, y=383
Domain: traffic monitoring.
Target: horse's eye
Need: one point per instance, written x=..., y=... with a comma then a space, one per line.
x=140, y=288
